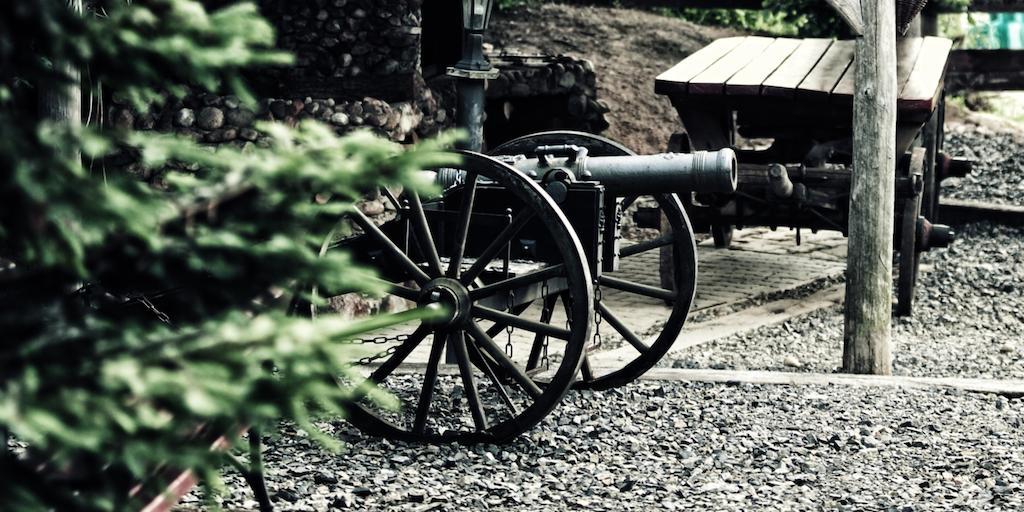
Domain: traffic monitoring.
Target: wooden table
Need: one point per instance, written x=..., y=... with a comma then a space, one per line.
x=792, y=88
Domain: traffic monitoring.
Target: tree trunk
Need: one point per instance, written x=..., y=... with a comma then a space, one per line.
x=868, y=331
x=61, y=102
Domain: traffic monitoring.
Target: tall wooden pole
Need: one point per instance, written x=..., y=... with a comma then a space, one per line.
x=61, y=102
x=868, y=332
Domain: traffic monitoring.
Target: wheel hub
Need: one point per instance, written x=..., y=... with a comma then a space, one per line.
x=452, y=295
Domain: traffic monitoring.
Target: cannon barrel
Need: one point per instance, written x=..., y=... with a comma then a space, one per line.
x=700, y=171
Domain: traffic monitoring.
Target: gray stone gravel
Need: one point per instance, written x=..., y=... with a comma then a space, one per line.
x=998, y=174
x=685, y=446
x=696, y=446
x=968, y=320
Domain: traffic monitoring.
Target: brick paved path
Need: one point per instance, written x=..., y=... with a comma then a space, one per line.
x=759, y=262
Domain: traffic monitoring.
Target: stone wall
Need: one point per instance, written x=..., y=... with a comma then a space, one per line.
x=216, y=119
x=536, y=93
x=346, y=49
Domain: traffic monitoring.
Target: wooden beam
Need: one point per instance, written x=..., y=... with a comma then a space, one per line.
x=1010, y=388
x=985, y=70
x=958, y=211
x=850, y=11
x=868, y=331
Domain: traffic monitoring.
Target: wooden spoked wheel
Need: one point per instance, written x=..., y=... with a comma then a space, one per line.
x=639, y=311
x=468, y=255
x=909, y=256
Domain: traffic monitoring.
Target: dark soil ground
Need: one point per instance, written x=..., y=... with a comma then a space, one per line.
x=628, y=48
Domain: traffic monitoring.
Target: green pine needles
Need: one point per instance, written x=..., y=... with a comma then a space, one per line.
x=133, y=317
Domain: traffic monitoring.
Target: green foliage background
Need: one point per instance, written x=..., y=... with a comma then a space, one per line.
x=131, y=315
x=798, y=18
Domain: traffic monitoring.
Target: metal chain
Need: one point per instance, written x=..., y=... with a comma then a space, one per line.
x=379, y=340
x=597, y=314
x=160, y=315
x=508, y=328
x=545, y=313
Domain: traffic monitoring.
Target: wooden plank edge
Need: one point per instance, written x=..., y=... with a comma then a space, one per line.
x=959, y=212
x=1008, y=387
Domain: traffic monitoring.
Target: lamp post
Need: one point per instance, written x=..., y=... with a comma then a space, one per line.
x=472, y=71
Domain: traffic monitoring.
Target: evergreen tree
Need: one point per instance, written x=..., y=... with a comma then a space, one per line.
x=133, y=315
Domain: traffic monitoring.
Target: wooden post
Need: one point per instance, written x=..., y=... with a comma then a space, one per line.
x=929, y=22
x=62, y=102
x=868, y=331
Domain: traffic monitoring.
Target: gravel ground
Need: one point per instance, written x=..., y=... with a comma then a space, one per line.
x=998, y=174
x=697, y=446
x=967, y=320
x=685, y=446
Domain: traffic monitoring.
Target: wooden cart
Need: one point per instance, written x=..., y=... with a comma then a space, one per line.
x=794, y=98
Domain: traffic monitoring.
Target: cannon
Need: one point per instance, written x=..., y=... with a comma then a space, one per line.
x=523, y=252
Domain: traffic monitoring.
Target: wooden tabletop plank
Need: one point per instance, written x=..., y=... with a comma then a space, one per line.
x=747, y=81
x=784, y=80
x=818, y=84
x=907, y=50
x=922, y=88
x=712, y=80
x=675, y=80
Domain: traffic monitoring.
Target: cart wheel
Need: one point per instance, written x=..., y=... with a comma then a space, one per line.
x=631, y=348
x=909, y=258
x=451, y=254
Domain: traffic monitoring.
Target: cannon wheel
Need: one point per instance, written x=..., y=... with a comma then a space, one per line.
x=678, y=287
x=909, y=259
x=495, y=399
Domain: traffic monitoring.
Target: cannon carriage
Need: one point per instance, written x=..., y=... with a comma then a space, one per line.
x=520, y=253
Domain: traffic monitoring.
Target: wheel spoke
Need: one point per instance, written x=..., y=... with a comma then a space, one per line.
x=462, y=228
x=429, y=381
x=493, y=330
x=640, y=289
x=400, y=354
x=487, y=344
x=621, y=328
x=400, y=291
x=500, y=241
x=538, y=340
x=500, y=386
x=656, y=243
x=458, y=340
x=391, y=198
x=400, y=257
x=520, y=323
x=426, y=241
x=517, y=281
